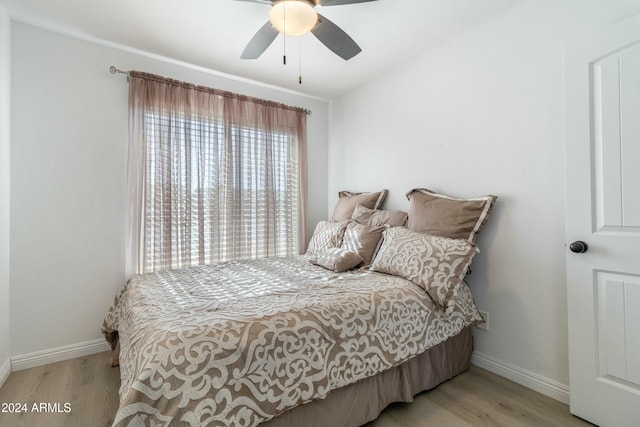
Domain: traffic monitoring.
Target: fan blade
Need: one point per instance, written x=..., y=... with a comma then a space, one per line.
x=260, y=42
x=340, y=2
x=335, y=39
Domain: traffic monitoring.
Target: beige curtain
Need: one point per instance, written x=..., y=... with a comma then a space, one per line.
x=213, y=176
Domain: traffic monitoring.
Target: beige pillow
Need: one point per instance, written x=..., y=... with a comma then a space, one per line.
x=446, y=216
x=437, y=264
x=362, y=239
x=336, y=259
x=378, y=217
x=327, y=234
x=347, y=202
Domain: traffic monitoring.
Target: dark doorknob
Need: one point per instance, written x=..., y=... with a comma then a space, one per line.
x=578, y=247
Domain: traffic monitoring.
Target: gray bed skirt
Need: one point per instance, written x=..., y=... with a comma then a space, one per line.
x=361, y=402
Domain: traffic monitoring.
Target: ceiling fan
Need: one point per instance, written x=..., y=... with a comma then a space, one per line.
x=297, y=17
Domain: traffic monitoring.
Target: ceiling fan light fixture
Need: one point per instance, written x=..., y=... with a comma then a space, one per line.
x=300, y=17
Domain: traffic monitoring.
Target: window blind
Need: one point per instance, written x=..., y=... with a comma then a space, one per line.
x=217, y=179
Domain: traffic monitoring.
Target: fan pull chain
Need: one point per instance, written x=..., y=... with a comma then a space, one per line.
x=300, y=62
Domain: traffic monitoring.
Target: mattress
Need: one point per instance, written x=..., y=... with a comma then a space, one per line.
x=242, y=342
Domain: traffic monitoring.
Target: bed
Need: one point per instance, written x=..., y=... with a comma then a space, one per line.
x=294, y=341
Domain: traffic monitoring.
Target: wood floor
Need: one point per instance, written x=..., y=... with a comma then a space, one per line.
x=90, y=386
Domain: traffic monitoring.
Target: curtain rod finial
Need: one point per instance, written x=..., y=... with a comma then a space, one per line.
x=113, y=69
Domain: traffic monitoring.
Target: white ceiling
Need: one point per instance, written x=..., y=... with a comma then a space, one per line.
x=213, y=33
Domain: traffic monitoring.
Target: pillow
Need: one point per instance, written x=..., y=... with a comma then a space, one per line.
x=446, y=216
x=328, y=234
x=437, y=264
x=364, y=215
x=347, y=202
x=362, y=239
x=336, y=259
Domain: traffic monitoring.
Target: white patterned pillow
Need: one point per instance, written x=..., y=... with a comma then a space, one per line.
x=328, y=234
x=437, y=264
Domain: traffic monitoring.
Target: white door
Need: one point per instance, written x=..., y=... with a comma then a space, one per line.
x=602, y=97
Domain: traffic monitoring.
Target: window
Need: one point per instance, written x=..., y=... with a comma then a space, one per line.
x=214, y=182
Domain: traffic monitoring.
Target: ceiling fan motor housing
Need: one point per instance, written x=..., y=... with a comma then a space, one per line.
x=293, y=17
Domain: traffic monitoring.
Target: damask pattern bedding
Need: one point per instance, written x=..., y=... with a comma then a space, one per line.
x=238, y=343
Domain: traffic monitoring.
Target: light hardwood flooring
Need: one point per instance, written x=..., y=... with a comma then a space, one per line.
x=90, y=386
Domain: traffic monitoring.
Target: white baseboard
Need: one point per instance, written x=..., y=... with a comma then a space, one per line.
x=5, y=371
x=523, y=377
x=58, y=354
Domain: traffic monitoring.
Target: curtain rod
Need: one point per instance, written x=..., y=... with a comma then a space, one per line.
x=114, y=70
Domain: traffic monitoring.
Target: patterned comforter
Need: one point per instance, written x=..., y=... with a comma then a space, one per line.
x=240, y=342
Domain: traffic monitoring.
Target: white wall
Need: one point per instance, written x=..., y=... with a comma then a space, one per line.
x=5, y=134
x=68, y=163
x=484, y=114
